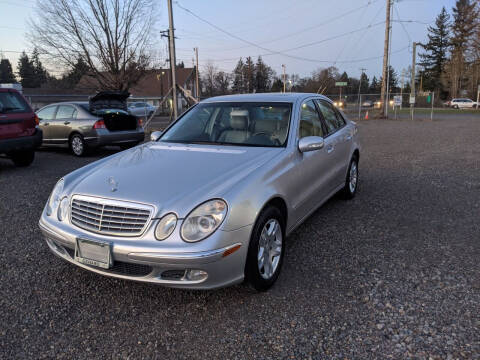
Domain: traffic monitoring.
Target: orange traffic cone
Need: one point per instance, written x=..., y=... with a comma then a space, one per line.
x=366, y=115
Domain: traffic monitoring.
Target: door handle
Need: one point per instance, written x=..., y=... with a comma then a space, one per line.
x=330, y=149
x=67, y=122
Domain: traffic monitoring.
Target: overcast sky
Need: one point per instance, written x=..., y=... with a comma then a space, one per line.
x=346, y=33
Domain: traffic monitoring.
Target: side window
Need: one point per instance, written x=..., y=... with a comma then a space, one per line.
x=47, y=113
x=66, y=112
x=331, y=120
x=310, y=123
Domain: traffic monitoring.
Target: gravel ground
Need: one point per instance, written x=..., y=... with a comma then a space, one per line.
x=392, y=274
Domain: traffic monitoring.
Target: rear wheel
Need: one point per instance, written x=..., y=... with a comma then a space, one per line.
x=266, y=250
x=23, y=158
x=77, y=145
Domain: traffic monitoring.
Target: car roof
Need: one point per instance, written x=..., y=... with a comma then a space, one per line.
x=264, y=97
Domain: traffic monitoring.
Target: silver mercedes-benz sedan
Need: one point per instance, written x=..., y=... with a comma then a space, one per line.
x=211, y=200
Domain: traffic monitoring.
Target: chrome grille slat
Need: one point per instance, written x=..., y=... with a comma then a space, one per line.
x=109, y=217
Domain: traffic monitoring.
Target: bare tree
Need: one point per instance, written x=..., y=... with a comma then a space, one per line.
x=112, y=36
x=208, y=78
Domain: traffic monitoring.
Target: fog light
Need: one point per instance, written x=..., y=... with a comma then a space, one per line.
x=195, y=275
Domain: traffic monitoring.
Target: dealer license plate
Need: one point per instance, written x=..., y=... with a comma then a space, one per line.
x=93, y=252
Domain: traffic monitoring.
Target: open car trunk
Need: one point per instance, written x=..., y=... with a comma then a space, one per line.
x=118, y=120
x=112, y=107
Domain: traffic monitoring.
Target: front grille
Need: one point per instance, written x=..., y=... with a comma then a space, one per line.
x=109, y=216
x=120, y=267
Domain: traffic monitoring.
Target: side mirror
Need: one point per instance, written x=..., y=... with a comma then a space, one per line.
x=310, y=143
x=154, y=136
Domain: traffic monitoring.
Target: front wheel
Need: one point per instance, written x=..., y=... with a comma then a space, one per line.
x=266, y=250
x=351, y=182
x=23, y=158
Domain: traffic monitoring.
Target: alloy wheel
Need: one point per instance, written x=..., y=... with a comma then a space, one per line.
x=269, y=249
x=353, y=177
x=77, y=145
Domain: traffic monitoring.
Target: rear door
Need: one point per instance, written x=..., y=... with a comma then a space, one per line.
x=337, y=142
x=16, y=117
x=64, y=121
x=46, y=116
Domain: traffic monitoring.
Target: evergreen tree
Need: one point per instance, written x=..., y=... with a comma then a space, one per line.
x=238, y=86
x=6, y=72
x=434, y=58
x=277, y=85
x=364, y=83
x=392, y=80
x=26, y=71
x=263, y=76
x=465, y=22
x=249, y=75
x=375, y=86
x=40, y=74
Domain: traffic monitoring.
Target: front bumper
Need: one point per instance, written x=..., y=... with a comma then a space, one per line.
x=149, y=261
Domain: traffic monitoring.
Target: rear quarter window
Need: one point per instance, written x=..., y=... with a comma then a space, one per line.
x=13, y=103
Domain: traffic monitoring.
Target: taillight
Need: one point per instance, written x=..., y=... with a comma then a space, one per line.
x=99, y=124
x=140, y=122
x=37, y=120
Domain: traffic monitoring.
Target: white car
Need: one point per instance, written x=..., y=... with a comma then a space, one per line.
x=462, y=103
x=141, y=109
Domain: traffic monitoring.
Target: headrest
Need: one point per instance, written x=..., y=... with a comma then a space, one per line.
x=239, y=119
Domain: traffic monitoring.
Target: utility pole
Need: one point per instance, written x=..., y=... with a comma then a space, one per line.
x=386, y=48
x=401, y=89
x=284, y=78
x=173, y=61
x=359, y=95
x=197, y=89
x=412, y=86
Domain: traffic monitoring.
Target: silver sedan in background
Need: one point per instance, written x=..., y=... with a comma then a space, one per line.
x=141, y=109
x=209, y=202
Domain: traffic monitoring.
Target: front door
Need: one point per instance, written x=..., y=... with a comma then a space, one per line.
x=66, y=115
x=314, y=167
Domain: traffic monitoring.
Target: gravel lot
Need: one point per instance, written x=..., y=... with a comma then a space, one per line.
x=393, y=273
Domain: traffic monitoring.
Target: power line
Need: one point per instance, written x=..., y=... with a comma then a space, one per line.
x=270, y=51
x=401, y=23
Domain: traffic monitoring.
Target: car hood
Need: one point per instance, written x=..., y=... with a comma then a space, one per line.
x=173, y=177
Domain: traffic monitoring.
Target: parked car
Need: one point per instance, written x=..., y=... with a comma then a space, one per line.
x=367, y=103
x=210, y=201
x=141, y=109
x=461, y=103
x=339, y=104
x=19, y=134
x=104, y=120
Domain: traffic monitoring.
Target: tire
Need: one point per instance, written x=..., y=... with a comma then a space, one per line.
x=23, y=158
x=77, y=145
x=351, y=186
x=263, y=276
x=456, y=107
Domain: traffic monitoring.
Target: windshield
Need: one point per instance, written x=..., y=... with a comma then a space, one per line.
x=233, y=123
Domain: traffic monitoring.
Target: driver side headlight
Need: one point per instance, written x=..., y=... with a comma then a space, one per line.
x=204, y=220
x=55, y=197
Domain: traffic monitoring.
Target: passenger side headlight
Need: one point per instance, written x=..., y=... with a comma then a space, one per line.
x=165, y=226
x=54, y=198
x=204, y=220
